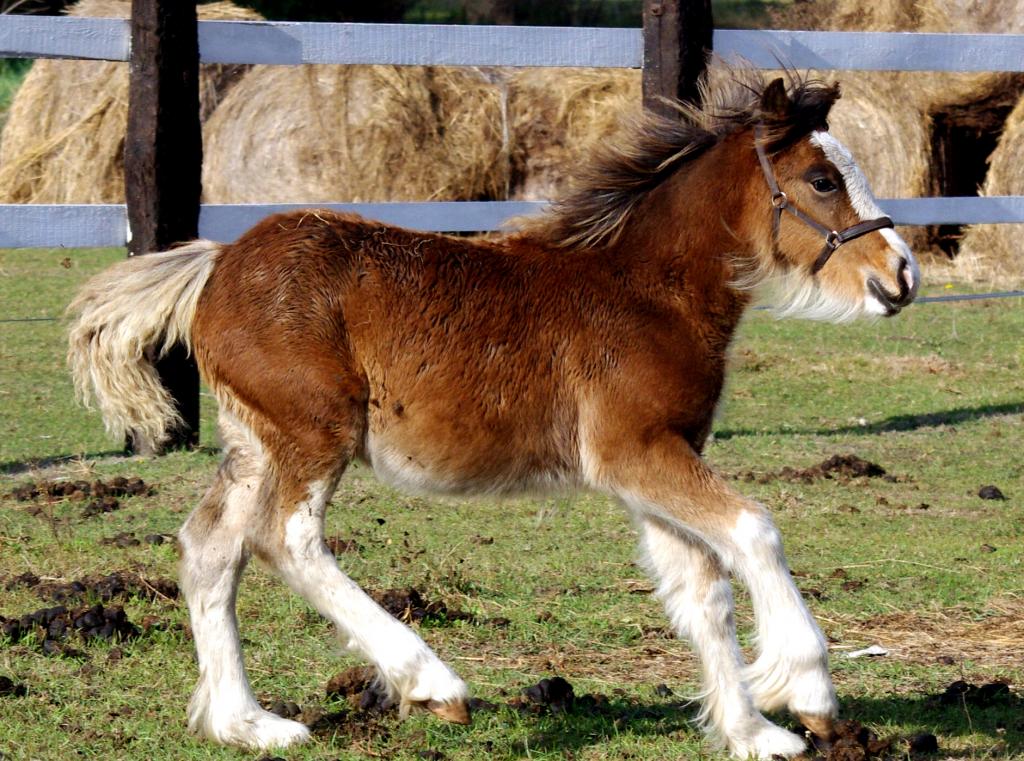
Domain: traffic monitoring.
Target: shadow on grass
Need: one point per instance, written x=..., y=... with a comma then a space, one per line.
x=582, y=728
x=998, y=730
x=896, y=423
x=1001, y=726
x=17, y=467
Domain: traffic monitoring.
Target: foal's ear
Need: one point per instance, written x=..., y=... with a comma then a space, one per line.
x=774, y=99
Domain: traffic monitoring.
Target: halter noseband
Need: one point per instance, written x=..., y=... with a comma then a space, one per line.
x=780, y=202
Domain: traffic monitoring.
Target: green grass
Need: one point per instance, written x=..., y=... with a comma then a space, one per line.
x=935, y=396
x=12, y=72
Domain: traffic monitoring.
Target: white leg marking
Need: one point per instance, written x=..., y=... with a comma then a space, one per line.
x=223, y=706
x=792, y=668
x=698, y=598
x=409, y=668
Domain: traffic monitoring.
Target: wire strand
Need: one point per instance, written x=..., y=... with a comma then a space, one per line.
x=921, y=300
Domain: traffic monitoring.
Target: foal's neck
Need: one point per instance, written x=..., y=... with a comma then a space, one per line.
x=691, y=231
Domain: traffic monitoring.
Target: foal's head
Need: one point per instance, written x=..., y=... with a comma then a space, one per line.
x=823, y=248
x=792, y=216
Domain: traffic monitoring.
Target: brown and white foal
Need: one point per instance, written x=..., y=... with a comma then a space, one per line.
x=587, y=350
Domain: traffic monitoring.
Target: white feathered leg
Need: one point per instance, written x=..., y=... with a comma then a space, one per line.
x=698, y=598
x=223, y=706
x=408, y=667
x=791, y=670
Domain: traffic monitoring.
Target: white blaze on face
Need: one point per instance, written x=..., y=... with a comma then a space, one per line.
x=863, y=202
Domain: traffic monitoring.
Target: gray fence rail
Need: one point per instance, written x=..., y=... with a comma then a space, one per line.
x=287, y=43
x=292, y=43
x=103, y=225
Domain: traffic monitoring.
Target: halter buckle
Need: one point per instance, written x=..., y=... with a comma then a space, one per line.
x=780, y=200
x=833, y=239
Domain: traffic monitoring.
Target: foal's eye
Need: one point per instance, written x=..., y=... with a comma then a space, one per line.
x=823, y=185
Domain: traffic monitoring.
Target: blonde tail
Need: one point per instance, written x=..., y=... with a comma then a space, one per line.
x=125, y=319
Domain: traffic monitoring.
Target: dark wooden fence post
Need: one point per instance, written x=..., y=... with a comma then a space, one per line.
x=163, y=156
x=677, y=42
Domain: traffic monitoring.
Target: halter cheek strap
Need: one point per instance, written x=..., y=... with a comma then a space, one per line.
x=780, y=202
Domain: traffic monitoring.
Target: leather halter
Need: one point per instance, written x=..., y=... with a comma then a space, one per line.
x=780, y=202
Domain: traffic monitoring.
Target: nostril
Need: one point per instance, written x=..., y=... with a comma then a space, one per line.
x=905, y=279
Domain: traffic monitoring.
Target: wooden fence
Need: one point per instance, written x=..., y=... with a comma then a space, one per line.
x=670, y=49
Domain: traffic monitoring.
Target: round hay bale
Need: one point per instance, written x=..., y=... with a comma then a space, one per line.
x=994, y=254
x=556, y=116
x=885, y=16
x=887, y=136
x=314, y=134
x=936, y=91
x=961, y=114
x=932, y=91
x=64, y=137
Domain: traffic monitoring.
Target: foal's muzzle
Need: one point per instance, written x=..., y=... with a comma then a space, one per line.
x=893, y=303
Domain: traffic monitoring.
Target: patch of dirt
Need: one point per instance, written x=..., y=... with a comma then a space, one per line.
x=368, y=711
x=53, y=626
x=125, y=539
x=408, y=605
x=852, y=742
x=361, y=687
x=932, y=364
x=116, y=487
x=951, y=635
x=357, y=727
x=840, y=467
x=122, y=539
x=751, y=361
x=350, y=682
x=101, y=496
x=120, y=585
x=339, y=545
x=100, y=505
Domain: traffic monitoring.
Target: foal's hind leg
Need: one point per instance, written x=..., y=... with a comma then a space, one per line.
x=292, y=542
x=213, y=556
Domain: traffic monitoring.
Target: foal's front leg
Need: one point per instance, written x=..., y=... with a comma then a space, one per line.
x=791, y=669
x=697, y=595
x=682, y=504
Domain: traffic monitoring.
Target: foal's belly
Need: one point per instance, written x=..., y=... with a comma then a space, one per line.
x=473, y=465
